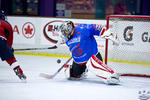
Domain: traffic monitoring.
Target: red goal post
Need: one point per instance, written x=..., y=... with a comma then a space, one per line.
x=134, y=49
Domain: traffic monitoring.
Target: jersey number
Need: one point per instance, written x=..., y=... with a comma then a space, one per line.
x=78, y=51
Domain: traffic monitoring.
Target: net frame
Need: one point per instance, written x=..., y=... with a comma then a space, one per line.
x=133, y=17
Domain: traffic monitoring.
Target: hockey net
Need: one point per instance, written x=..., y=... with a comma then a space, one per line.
x=131, y=57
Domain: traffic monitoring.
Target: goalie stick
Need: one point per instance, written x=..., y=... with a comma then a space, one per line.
x=53, y=47
x=47, y=76
x=52, y=76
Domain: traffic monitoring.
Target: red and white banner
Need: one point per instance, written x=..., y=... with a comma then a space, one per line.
x=41, y=30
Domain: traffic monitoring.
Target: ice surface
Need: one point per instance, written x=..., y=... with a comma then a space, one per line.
x=59, y=88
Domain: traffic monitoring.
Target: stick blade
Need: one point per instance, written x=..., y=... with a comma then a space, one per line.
x=47, y=76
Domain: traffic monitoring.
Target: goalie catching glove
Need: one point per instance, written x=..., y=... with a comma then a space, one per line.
x=111, y=36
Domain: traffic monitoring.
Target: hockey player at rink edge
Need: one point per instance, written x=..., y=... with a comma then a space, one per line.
x=6, y=50
x=83, y=47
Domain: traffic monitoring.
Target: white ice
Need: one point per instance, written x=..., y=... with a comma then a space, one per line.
x=59, y=88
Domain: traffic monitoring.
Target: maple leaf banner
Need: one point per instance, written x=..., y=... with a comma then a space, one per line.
x=35, y=32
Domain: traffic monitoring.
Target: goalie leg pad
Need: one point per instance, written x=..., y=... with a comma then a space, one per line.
x=102, y=70
x=75, y=71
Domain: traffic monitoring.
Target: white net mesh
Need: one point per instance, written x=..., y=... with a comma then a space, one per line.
x=134, y=48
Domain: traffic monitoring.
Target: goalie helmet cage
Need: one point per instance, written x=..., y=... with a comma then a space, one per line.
x=132, y=55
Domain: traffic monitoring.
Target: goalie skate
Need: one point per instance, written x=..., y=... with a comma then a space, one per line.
x=80, y=77
x=113, y=80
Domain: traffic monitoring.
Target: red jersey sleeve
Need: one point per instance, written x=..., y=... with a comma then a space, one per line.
x=7, y=32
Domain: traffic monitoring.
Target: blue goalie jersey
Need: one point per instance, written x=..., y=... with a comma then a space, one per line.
x=83, y=44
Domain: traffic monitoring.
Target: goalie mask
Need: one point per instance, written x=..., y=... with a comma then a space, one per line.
x=67, y=29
